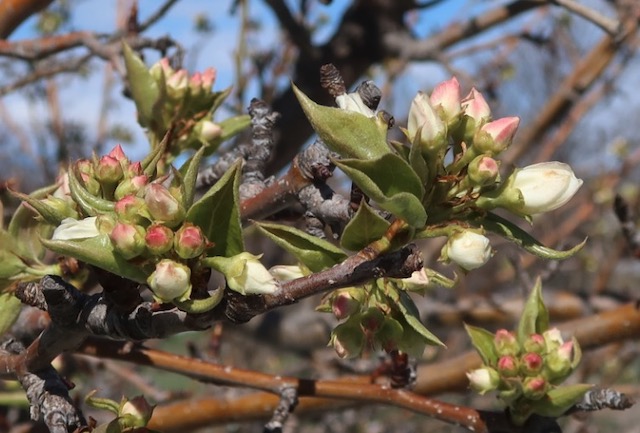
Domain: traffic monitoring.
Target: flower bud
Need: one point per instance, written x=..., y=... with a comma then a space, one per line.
x=475, y=106
x=170, y=280
x=130, y=186
x=179, y=80
x=133, y=169
x=161, y=68
x=63, y=190
x=531, y=364
x=131, y=209
x=534, y=388
x=558, y=365
x=552, y=339
x=189, y=241
x=494, y=137
x=508, y=366
x=128, y=240
x=208, y=131
x=344, y=304
x=483, y=380
x=244, y=273
x=445, y=98
x=70, y=229
x=506, y=343
x=208, y=78
x=534, y=343
x=354, y=102
x=61, y=207
x=347, y=339
x=468, y=249
x=545, y=186
x=118, y=154
x=286, y=272
x=483, y=170
x=105, y=223
x=135, y=412
x=425, y=122
x=371, y=320
x=159, y=239
x=162, y=206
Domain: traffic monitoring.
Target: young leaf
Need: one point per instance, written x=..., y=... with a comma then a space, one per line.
x=392, y=183
x=365, y=227
x=10, y=307
x=189, y=173
x=217, y=214
x=144, y=88
x=560, y=399
x=412, y=316
x=535, y=317
x=98, y=251
x=350, y=134
x=515, y=234
x=482, y=340
x=316, y=254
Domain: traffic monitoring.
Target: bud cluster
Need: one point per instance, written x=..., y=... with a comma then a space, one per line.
x=447, y=124
x=525, y=370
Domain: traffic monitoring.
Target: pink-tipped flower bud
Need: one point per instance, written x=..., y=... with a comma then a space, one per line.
x=483, y=380
x=494, y=137
x=531, y=364
x=118, y=154
x=131, y=186
x=179, y=80
x=344, y=304
x=161, y=69
x=170, y=280
x=445, y=98
x=506, y=343
x=558, y=362
x=347, y=339
x=128, y=240
x=534, y=388
x=133, y=169
x=508, y=366
x=84, y=166
x=162, y=206
x=475, y=106
x=189, y=241
x=131, y=209
x=483, y=170
x=552, y=339
x=208, y=78
x=534, y=343
x=159, y=239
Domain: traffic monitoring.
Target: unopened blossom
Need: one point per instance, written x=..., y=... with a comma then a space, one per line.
x=163, y=206
x=131, y=209
x=353, y=102
x=483, y=170
x=506, y=342
x=424, y=120
x=170, y=280
x=559, y=362
x=244, y=273
x=130, y=186
x=545, y=186
x=344, y=303
x=128, y=240
x=531, y=363
x=468, y=249
x=179, y=80
x=118, y=154
x=208, y=130
x=475, y=106
x=159, y=239
x=534, y=388
x=347, y=339
x=72, y=229
x=189, y=241
x=534, y=343
x=135, y=412
x=286, y=272
x=445, y=98
x=508, y=366
x=483, y=380
x=494, y=137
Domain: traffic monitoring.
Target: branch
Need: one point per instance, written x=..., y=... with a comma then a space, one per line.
x=15, y=12
x=611, y=26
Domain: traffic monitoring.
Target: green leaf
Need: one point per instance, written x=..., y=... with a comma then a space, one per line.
x=350, y=134
x=392, y=183
x=98, y=251
x=144, y=88
x=49, y=213
x=150, y=162
x=315, y=253
x=365, y=227
x=482, y=340
x=189, y=173
x=10, y=307
x=90, y=204
x=418, y=164
x=560, y=399
x=535, y=317
x=218, y=215
x=27, y=230
x=515, y=234
x=10, y=264
x=230, y=127
x=412, y=316
x=199, y=306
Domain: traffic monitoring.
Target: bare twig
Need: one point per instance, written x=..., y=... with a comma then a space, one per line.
x=609, y=25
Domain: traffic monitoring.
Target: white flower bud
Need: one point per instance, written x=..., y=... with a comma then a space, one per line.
x=70, y=229
x=483, y=380
x=468, y=249
x=545, y=186
x=354, y=102
x=170, y=280
x=244, y=273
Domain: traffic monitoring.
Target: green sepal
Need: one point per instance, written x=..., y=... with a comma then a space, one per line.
x=365, y=227
x=26, y=230
x=10, y=307
x=315, y=253
x=102, y=403
x=535, y=316
x=560, y=399
x=410, y=313
x=47, y=212
x=515, y=234
x=198, y=306
x=392, y=183
x=189, y=172
x=143, y=86
x=350, y=134
x=482, y=340
x=218, y=216
x=98, y=251
x=439, y=279
x=230, y=128
x=90, y=204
